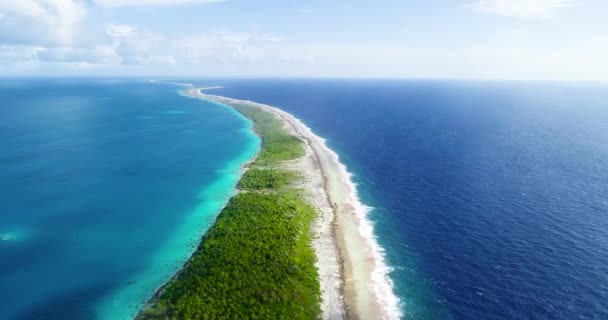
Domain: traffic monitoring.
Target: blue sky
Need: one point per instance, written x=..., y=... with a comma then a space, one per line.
x=474, y=39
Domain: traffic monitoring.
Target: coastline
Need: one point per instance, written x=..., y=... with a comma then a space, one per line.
x=171, y=258
x=257, y=259
x=352, y=272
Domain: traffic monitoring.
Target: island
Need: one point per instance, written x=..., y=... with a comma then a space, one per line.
x=292, y=243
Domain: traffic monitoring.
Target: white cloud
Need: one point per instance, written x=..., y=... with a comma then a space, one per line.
x=225, y=47
x=273, y=37
x=134, y=3
x=509, y=54
x=41, y=33
x=101, y=54
x=17, y=54
x=40, y=21
x=118, y=30
x=523, y=8
x=137, y=47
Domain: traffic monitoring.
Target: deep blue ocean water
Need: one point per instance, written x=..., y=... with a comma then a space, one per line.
x=491, y=199
x=105, y=189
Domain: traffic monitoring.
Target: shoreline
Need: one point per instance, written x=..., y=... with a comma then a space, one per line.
x=352, y=272
x=234, y=169
x=257, y=259
x=242, y=169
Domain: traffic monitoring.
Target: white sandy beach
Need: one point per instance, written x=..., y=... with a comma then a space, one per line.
x=353, y=275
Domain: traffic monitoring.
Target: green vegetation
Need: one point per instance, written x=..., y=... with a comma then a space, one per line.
x=260, y=179
x=256, y=262
x=277, y=143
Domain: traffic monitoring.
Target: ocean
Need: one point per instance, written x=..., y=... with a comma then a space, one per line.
x=490, y=199
x=105, y=189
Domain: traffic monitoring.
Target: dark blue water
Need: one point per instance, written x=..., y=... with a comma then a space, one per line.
x=105, y=187
x=491, y=199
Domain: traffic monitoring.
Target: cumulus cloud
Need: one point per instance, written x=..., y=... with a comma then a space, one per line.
x=102, y=54
x=39, y=21
x=225, y=47
x=523, y=8
x=18, y=54
x=138, y=47
x=118, y=30
x=134, y=3
x=510, y=54
x=56, y=32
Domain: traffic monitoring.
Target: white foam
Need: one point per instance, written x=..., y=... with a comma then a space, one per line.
x=387, y=302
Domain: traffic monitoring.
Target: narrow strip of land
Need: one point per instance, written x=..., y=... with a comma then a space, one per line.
x=298, y=192
x=257, y=260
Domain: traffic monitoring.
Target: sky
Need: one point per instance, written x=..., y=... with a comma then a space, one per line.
x=437, y=39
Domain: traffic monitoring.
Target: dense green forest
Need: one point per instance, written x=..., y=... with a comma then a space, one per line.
x=257, y=261
x=260, y=179
x=277, y=144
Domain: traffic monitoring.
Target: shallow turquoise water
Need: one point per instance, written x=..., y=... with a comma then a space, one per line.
x=105, y=189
